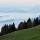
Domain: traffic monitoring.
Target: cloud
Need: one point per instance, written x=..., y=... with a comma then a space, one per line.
x=20, y=9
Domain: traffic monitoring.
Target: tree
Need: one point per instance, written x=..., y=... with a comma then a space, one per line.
x=39, y=22
x=29, y=23
x=12, y=27
x=20, y=26
x=7, y=29
x=4, y=29
x=24, y=25
x=35, y=22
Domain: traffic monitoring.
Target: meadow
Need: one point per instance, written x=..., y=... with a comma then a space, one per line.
x=24, y=34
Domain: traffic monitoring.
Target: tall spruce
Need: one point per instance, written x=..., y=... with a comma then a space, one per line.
x=29, y=23
x=20, y=26
x=12, y=27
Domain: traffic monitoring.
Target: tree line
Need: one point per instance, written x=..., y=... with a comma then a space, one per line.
x=22, y=25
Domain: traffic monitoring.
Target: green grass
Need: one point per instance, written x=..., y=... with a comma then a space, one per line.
x=25, y=34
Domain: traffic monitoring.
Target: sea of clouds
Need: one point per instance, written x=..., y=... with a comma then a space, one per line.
x=16, y=14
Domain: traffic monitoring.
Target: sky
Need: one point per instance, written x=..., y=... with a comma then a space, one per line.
x=28, y=7
x=20, y=6
x=20, y=1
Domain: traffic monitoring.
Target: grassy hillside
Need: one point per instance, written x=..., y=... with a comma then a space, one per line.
x=25, y=34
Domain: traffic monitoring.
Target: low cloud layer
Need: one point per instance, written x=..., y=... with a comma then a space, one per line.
x=20, y=9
